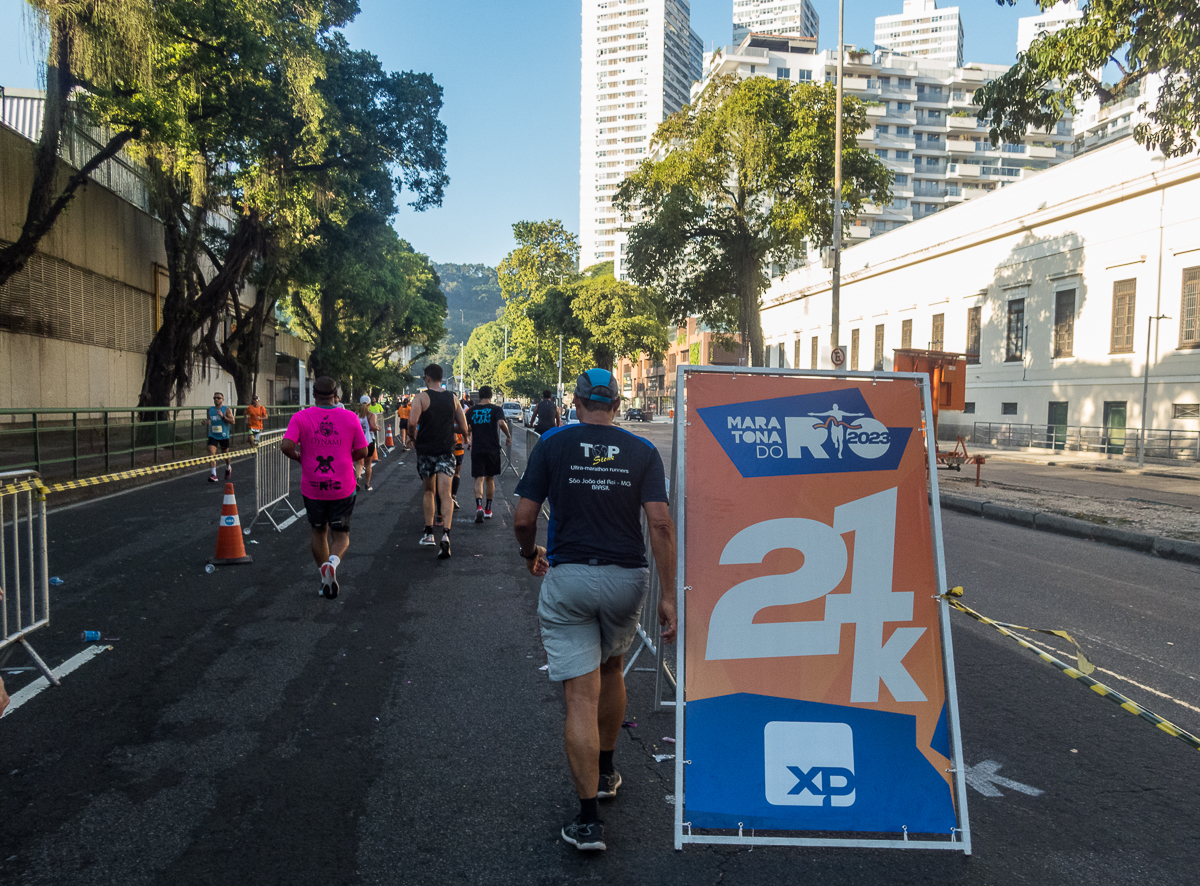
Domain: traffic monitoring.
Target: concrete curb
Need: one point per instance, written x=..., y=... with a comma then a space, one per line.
x=1167, y=548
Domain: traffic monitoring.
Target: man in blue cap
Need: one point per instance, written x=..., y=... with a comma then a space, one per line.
x=598, y=479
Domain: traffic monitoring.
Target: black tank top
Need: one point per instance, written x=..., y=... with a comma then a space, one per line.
x=544, y=416
x=435, y=429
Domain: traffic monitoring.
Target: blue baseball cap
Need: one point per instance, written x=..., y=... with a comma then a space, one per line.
x=597, y=384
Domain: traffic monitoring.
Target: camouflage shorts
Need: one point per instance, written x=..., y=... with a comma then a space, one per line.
x=428, y=465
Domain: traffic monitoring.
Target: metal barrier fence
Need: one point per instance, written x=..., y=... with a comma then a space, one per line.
x=272, y=482
x=81, y=442
x=1160, y=443
x=24, y=568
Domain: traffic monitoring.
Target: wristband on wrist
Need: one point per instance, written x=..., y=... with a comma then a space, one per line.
x=532, y=556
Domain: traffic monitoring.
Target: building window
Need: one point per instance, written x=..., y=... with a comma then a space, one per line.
x=974, y=317
x=881, y=152
x=906, y=335
x=1014, y=340
x=968, y=408
x=905, y=82
x=783, y=73
x=881, y=129
x=854, y=349
x=902, y=130
x=1064, y=323
x=804, y=75
x=796, y=354
x=903, y=106
x=937, y=338
x=1124, y=302
x=815, y=352
x=782, y=356
x=901, y=178
x=1185, y=410
x=879, y=347
x=1189, y=311
x=902, y=155
x=1008, y=408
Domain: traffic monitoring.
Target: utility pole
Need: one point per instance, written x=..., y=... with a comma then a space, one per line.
x=1145, y=391
x=462, y=368
x=560, y=387
x=836, y=290
x=505, y=342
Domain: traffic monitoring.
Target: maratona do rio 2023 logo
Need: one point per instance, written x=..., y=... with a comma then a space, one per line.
x=829, y=432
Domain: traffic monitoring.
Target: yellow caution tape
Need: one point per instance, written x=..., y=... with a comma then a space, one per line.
x=1075, y=673
x=36, y=485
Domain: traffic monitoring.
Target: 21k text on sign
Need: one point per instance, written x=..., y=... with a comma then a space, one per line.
x=816, y=669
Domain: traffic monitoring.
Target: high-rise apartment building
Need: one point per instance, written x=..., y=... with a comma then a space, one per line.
x=922, y=123
x=923, y=31
x=788, y=18
x=1030, y=27
x=639, y=59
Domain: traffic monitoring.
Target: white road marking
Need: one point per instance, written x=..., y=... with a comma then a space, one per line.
x=984, y=779
x=19, y=698
x=1069, y=655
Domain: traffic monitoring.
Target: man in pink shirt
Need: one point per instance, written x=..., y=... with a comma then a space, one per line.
x=326, y=440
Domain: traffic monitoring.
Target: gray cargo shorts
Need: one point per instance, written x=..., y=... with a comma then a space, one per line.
x=588, y=614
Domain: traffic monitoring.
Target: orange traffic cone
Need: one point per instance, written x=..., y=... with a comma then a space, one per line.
x=389, y=442
x=230, y=547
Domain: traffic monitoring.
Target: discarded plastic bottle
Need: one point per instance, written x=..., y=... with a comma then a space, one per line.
x=210, y=569
x=91, y=636
x=56, y=581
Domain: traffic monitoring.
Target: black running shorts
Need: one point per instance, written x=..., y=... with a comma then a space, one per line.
x=223, y=445
x=334, y=511
x=484, y=464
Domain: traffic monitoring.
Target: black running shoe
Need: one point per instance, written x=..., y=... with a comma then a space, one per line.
x=479, y=516
x=585, y=837
x=609, y=782
x=444, y=553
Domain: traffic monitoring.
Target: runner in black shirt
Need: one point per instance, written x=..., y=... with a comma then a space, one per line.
x=545, y=414
x=485, y=420
x=598, y=478
x=435, y=417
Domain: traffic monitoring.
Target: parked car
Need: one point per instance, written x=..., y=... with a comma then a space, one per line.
x=638, y=415
x=571, y=417
x=512, y=411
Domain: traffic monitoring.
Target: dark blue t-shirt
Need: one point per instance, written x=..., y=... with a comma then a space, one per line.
x=597, y=478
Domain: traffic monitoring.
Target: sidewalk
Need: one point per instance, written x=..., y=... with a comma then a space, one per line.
x=1092, y=461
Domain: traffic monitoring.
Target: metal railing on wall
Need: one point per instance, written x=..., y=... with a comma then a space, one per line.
x=82, y=442
x=1164, y=443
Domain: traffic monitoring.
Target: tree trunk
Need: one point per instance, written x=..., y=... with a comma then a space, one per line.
x=749, y=319
x=46, y=204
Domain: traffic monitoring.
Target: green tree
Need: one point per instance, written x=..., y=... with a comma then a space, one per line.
x=546, y=253
x=608, y=318
x=748, y=178
x=1062, y=69
x=93, y=48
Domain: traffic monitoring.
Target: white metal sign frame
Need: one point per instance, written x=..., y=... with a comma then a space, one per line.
x=959, y=839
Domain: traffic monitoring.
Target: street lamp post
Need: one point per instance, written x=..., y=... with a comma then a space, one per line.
x=560, y=387
x=505, y=342
x=836, y=289
x=1145, y=391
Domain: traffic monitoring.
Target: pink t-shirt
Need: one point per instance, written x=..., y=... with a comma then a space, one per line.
x=325, y=437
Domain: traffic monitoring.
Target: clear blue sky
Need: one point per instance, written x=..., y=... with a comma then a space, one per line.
x=510, y=72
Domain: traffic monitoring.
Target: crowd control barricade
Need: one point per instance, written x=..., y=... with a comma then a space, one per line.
x=272, y=483
x=24, y=568
x=815, y=491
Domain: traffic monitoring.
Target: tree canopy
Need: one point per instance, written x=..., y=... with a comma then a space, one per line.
x=746, y=177
x=1061, y=70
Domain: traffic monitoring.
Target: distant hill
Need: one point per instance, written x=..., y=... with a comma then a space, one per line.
x=472, y=299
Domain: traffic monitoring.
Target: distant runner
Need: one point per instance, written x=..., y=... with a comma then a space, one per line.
x=255, y=414
x=220, y=422
x=370, y=429
x=326, y=440
x=486, y=420
x=545, y=414
x=433, y=421
x=403, y=411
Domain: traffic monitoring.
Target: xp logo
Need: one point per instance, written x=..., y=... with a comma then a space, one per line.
x=821, y=433
x=808, y=764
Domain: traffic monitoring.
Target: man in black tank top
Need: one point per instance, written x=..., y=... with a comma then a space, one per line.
x=435, y=418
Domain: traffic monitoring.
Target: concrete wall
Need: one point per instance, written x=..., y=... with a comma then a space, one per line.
x=1120, y=213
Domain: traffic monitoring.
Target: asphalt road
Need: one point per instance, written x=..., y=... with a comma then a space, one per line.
x=244, y=730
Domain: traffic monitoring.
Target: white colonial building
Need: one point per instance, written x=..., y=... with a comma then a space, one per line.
x=1068, y=289
x=639, y=59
